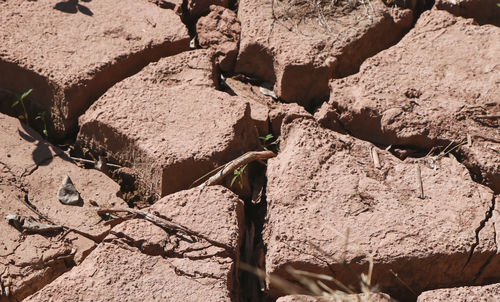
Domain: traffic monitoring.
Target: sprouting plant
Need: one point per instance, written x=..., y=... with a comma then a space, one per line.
x=20, y=99
x=41, y=116
x=267, y=140
x=498, y=4
x=238, y=173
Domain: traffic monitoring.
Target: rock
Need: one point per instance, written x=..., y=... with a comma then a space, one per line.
x=67, y=192
x=464, y=294
x=30, y=172
x=169, y=123
x=87, y=47
x=140, y=261
x=28, y=262
x=220, y=31
x=483, y=11
x=437, y=104
x=198, y=8
x=282, y=43
x=92, y=184
x=323, y=186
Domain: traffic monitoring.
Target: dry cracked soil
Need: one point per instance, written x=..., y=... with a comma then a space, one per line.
x=251, y=150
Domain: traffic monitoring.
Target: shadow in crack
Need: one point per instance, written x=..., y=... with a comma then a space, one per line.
x=72, y=7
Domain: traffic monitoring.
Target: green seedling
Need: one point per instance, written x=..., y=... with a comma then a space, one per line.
x=267, y=140
x=238, y=173
x=20, y=99
x=41, y=116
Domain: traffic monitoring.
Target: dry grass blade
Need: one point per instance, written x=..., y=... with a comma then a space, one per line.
x=365, y=280
x=404, y=283
x=313, y=288
x=314, y=284
x=279, y=282
x=420, y=184
x=342, y=286
x=228, y=168
x=291, y=14
x=375, y=157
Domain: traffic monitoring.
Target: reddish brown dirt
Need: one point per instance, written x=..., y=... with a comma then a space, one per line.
x=73, y=52
x=300, y=56
x=220, y=30
x=482, y=11
x=468, y=293
x=169, y=90
x=323, y=185
x=439, y=103
x=140, y=261
x=31, y=172
x=170, y=123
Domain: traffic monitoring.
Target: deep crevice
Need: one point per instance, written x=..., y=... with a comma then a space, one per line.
x=482, y=224
x=53, y=268
x=253, y=251
x=366, y=126
x=188, y=20
x=489, y=214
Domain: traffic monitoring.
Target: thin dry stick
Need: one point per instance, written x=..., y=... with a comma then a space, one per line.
x=93, y=162
x=420, y=183
x=452, y=149
x=235, y=164
x=469, y=140
x=163, y=223
x=493, y=149
x=68, y=229
x=404, y=283
x=375, y=158
x=488, y=117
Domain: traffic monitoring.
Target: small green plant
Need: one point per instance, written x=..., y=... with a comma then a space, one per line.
x=238, y=173
x=498, y=4
x=41, y=116
x=20, y=99
x=267, y=140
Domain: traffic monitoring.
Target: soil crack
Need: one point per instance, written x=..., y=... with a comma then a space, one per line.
x=482, y=224
x=490, y=258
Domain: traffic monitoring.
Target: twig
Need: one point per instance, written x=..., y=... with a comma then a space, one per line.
x=404, y=283
x=235, y=164
x=442, y=154
x=163, y=223
x=493, y=149
x=469, y=140
x=93, y=162
x=420, y=183
x=488, y=117
x=30, y=206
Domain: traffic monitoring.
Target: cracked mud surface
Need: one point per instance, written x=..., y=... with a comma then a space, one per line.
x=384, y=117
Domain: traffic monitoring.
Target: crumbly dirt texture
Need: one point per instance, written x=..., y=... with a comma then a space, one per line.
x=380, y=121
